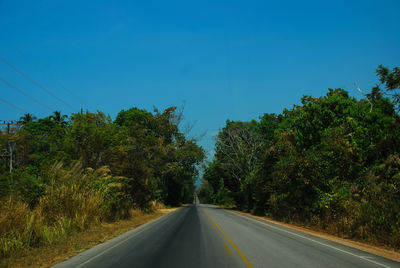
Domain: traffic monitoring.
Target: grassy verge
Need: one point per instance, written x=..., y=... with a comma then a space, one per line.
x=377, y=249
x=48, y=255
x=75, y=209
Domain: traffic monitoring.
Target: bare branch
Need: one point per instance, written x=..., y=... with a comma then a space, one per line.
x=366, y=96
x=240, y=145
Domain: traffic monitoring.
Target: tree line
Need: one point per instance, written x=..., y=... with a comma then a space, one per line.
x=331, y=162
x=71, y=173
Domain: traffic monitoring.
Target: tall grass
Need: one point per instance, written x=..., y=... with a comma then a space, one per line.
x=74, y=200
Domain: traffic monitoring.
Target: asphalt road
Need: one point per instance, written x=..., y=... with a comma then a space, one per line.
x=207, y=236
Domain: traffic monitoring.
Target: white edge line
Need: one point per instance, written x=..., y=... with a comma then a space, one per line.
x=307, y=238
x=123, y=241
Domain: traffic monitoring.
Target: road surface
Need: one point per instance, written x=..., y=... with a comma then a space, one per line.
x=207, y=236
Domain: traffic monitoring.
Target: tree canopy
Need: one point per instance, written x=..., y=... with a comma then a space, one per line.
x=331, y=162
x=148, y=149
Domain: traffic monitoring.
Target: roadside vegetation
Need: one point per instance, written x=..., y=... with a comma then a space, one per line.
x=72, y=175
x=332, y=162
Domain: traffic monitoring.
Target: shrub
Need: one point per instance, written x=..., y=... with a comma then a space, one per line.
x=72, y=201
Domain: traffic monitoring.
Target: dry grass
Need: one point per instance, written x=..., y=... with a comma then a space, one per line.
x=48, y=255
x=69, y=206
x=76, y=202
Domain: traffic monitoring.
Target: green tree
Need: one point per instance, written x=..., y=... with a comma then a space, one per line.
x=390, y=79
x=89, y=137
x=60, y=119
x=27, y=118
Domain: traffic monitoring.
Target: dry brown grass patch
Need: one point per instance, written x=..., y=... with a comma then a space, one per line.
x=49, y=255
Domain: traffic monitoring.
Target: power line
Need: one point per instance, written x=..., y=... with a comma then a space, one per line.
x=25, y=94
x=36, y=83
x=10, y=142
x=12, y=105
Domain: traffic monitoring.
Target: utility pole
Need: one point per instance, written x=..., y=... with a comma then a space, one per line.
x=10, y=144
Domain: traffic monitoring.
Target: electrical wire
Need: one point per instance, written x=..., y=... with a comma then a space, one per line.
x=25, y=94
x=12, y=105
x=36, y=83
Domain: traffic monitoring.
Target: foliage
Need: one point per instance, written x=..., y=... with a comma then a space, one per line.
x=391, y=81
x=330, y=162
x=71, y=174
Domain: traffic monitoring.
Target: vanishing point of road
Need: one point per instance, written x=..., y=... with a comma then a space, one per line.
x=207, y=236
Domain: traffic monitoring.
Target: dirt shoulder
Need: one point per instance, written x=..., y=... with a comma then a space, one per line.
x=388, y=253
x=50, y=255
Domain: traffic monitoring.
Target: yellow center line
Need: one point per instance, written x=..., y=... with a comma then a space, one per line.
x=227, y=249
x=229, y=240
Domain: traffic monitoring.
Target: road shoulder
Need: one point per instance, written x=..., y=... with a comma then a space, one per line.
x=383, y=252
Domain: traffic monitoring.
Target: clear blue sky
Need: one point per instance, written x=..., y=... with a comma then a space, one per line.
x=226, y=59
